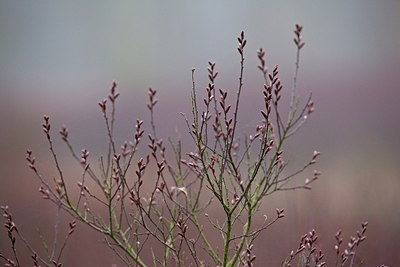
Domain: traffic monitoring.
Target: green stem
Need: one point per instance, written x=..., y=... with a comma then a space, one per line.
x=227, y=240
x=210, y=250
x=243, y=239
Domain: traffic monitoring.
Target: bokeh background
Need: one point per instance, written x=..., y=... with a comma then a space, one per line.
x=60, y=57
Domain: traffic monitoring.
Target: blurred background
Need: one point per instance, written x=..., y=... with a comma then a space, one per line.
x=60, y=57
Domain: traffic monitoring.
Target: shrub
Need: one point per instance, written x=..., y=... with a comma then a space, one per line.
x=221, y=172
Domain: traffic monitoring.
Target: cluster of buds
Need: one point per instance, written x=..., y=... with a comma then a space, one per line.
x=72, y=226
x=275, y=81
x=102, y=105
x=293, y=254
x=161, y=147
x=262, y=66
x=267, y=100
x=315, y=156
x=83, y=188
x=194, y=163
x=182, y=227
x=45, y=192
x=353, y=243
x=141, y=164
x=10, y=227
x=153, y=100
x=249, y=257
x=138, y=133
x=269, y=145
x=30, y=159
x=125, y=149
x=211, y=164
x=235, y=198
x=64, y=133
x=212, y=75
x=46, y=126
x=279, y=160
x=222, y=101
x=160, y=188
x=84, y=156
x=308, y=242
x=339, y=241
x=116, y=174
x=35, y=259
x=310, y=107
x=56, y=264
x=113, y=94
x=134, y=199
x=153, y=146
x=141, y=167
x=117, y=158
x=9, y=224
x=60, y=188
x=210, y=88
x=260, y=132
x=298, y=39
x=280, y=213
x=160, y=166
x=242, y=43
x=131, y=146
x=228, y=122
x=307, y=183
